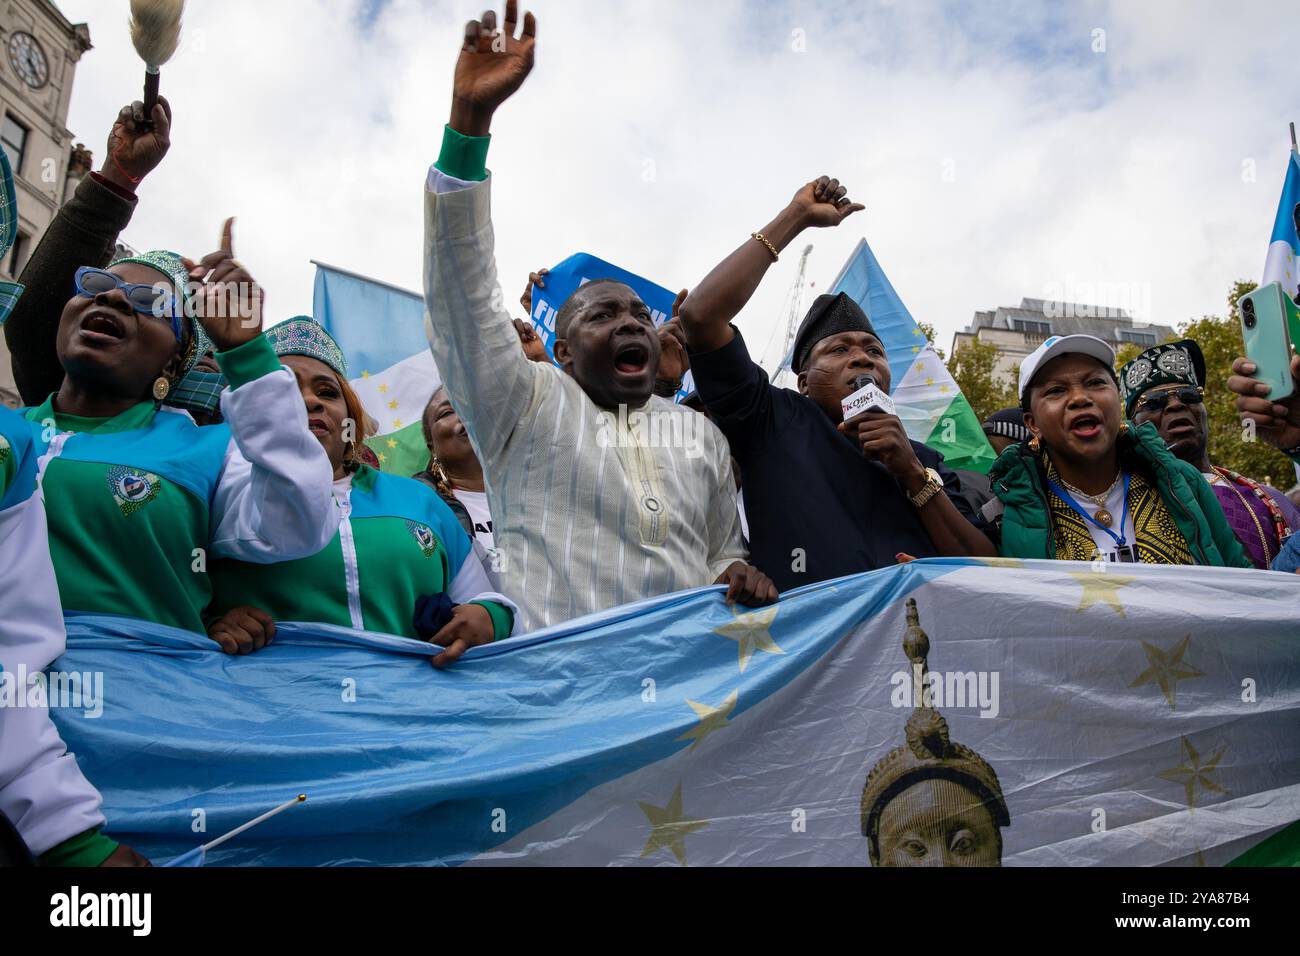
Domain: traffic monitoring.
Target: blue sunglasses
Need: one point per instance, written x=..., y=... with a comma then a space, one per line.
x=144, y=299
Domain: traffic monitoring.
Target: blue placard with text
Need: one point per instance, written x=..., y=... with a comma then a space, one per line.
x=575, y=272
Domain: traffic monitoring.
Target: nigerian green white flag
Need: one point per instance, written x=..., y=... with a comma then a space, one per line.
x=930, y=405
x=380, y=329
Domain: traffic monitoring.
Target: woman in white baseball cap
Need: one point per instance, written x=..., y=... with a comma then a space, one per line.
x=1088, y=485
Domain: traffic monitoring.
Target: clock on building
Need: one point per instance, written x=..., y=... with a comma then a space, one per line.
x=28, y=59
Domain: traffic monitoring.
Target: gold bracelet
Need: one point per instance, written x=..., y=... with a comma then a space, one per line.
x=770, y=248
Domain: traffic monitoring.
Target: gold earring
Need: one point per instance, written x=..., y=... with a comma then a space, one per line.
x=1035, y=445
x=1123, y=428
x=439, y=471
x=161, y=388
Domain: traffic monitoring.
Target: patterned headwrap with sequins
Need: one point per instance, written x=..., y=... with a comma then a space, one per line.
x=1174, y=363
x=171, y=266
x=9, y=291
x=303, y=335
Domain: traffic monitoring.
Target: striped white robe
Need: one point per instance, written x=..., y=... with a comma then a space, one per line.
x=585, y=517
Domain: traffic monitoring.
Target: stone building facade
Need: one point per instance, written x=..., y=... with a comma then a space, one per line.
x=39, y=52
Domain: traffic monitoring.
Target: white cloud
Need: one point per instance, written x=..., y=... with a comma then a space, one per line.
x=1120, y=169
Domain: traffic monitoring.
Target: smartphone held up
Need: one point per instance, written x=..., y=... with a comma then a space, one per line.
x=1270, y=326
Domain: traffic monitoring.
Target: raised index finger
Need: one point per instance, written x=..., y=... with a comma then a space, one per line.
x=228, y=237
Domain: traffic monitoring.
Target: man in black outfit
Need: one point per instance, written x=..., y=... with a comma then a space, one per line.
x=824, y=497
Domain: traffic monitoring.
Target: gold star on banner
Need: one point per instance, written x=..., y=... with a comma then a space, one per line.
x=397, y=424
x=669, y=827
x=392, y=443
x=930, y=382
x=1167, y=669
x=382, y=458
x=383, y=389
x=1191, y=773
x=1101, y=587
x=916, y=350
x=365, y=374
x=944, y=389
x=393, y=404
x=916, y=332
x=751, y=632
x=711, y=718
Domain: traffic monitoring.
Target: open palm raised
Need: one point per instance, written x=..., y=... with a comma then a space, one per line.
x=493, y=64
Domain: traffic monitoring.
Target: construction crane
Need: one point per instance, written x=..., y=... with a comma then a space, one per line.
x=774, y=363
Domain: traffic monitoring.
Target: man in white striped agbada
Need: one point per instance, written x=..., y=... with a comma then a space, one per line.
x=601, y=493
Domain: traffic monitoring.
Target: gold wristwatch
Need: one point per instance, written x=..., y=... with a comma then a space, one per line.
x=928, y=490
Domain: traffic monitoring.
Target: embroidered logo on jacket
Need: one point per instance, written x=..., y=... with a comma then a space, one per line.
x=4, y=450
x=131, y=489
x=424, y=537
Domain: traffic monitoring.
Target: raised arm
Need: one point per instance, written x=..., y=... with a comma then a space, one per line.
x=1277, y=423
x=707, y=314
x=474, y=342
x=274, y=500
x=83, y=233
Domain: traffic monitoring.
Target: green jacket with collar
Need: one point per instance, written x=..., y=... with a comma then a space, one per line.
x=1019, y=483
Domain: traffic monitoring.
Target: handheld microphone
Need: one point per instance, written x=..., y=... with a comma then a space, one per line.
x=868, y=396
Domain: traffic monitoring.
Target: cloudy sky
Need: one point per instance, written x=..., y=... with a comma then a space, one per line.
x=1126, y=153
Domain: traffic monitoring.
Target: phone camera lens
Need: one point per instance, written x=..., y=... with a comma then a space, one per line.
x=1248, y=313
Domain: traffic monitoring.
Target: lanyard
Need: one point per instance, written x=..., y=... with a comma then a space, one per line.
x=1120, y=539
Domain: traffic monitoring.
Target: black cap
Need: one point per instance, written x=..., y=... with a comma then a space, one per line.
x=829, y=315
x=1008, y=423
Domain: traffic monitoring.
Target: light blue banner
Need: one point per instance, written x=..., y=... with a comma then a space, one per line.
x=1136, y=717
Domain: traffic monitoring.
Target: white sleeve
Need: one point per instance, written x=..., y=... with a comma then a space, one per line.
x=491, y=383
x=471, y=584
x=275, y=498
x=42, y=790
x=726, y=545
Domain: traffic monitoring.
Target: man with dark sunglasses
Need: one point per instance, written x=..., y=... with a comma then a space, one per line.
x=1165, y=385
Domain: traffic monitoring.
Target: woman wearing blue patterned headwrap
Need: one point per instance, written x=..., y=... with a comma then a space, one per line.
x=138, y=496
x=400, y=564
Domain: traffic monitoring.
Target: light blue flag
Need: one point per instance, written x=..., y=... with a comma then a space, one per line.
x=575, y=272
x=1140, y=716
x=1284, y=243
x=380, y=329
x=375, y=324
x=932, y=408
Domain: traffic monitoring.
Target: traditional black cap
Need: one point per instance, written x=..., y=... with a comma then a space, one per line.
x=1175, y=363
x=1008, y=423
x=829, y=315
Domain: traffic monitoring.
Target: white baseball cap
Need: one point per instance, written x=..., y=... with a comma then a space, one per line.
x=1057, y=345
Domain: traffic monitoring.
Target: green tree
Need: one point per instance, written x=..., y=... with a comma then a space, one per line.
x=1231, y=445
x=974, y=367
x=932, y=337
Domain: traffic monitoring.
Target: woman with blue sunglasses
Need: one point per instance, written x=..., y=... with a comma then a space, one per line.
x=139, y=498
